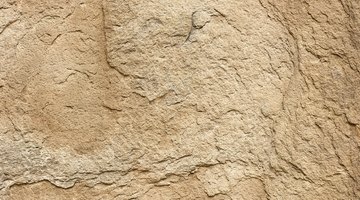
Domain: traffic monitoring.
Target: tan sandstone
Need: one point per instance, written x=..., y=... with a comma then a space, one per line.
x=180, y=99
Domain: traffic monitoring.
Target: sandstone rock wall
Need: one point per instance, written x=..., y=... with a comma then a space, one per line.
x=180, y=99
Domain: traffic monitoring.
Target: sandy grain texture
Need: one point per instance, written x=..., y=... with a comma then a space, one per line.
x=190, y=99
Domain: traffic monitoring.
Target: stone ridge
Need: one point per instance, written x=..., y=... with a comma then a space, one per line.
x=200, y=99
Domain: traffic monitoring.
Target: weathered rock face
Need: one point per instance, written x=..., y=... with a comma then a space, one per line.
x=200, y=99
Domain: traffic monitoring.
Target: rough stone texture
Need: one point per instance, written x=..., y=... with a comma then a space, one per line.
x=191, y=99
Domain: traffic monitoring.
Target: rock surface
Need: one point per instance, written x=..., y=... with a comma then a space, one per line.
x=192, y=99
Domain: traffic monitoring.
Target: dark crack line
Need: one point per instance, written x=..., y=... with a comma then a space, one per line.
x=8, y=25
